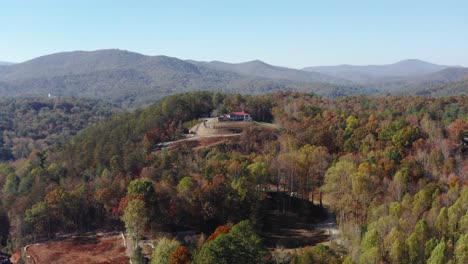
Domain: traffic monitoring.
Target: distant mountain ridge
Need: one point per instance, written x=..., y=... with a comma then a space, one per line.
x=132, y=79
x=262, y=69
x=369, y=73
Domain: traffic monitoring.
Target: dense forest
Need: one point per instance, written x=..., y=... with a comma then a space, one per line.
x=33, y=124
x=392, y=169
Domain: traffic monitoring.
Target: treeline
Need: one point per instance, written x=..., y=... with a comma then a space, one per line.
x=34, y=124
x=392, y=168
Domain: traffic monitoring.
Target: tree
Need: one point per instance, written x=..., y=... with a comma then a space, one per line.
x=181, y=256
x=441, y=223
x=400, y=183
x=314, y=163
x=370, y=256
x=241, y=245
x=37, y=218
x=11, y=184
x=438, y=254
x=320, y=254
x=135, y=218
x=397, y=252
x=415, y=249
x=422, y=231
x=223, y=229
x=163, y=249
x=461, y=250
x=137, y=257
x=145, y=189
x=323, y=255
x=429, y=247
x=338, y=187
x=185, y=186
x=142, y=186
x=394, y=245
x=370, y=248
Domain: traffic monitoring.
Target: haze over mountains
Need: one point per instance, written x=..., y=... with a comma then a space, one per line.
x=262, y=69
x=5, y=63
x=367, y=73
x=131, y=79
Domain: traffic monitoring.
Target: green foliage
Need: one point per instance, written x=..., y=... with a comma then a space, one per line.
x=429, y=247
x=461, y=249
x=438, y=255
x=320, y=254
x=163, y=249
x=415, y=249
x=141, y=186
x=137, y=257
x=241, y=245
x=11, y=184
x=441, y=223
x=370, y=256
x=370, y=251
x=370, y=240
x=37, y=217
x=397, y=252
x=135, y=218
x=185, y=185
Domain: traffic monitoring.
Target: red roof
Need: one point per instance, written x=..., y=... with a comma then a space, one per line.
x=240, y=113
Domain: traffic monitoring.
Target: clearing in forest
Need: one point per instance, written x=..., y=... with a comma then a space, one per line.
x=102, y=249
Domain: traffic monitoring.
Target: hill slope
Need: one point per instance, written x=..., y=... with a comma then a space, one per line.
x=133, y=79
x=5, y=63
x=444, y=82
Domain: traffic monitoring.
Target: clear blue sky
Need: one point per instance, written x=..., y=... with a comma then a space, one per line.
x=289, y=33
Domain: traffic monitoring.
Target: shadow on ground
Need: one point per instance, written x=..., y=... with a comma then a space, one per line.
x=292, y=222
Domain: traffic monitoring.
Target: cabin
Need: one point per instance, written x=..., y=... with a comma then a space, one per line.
x=240, y=116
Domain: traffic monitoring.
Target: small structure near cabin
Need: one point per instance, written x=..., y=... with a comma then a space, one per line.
x=235, y=116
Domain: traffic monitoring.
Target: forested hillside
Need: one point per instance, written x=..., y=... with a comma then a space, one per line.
x=34, y=124
x=132, y=80
x=393, y=169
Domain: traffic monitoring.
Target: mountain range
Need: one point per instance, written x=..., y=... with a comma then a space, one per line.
x=368, y=73
x=6, y=63
x=132, y=79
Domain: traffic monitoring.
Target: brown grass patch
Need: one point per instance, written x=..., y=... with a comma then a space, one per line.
x=81, y=250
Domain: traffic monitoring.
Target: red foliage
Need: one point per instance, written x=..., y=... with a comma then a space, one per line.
x=224, y=229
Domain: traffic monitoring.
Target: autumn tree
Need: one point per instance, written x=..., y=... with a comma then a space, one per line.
x=135, y=218
x=181, y=255
x=241, y=245
x=163, y=251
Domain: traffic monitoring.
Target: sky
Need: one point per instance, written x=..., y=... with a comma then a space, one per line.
x=289, y=33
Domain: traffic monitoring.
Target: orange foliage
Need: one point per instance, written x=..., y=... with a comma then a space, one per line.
x=224, y=229
x=125, y=200
x=181, y=256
